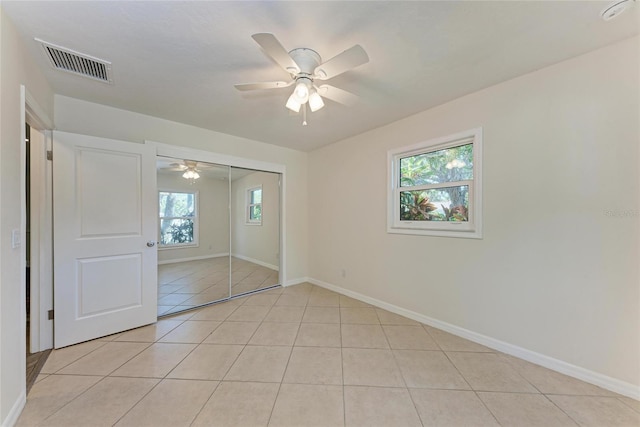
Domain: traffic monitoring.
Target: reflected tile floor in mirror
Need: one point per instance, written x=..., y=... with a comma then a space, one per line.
x=306, y=356
x=185, y=285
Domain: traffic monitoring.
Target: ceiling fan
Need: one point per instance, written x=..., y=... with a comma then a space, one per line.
x=306, y=68
x=189, y=167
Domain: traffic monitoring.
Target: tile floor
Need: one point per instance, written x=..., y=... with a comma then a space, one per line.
x=184, y=285
x=305, y=356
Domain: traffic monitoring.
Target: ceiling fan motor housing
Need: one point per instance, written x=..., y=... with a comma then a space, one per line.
x=307, y=60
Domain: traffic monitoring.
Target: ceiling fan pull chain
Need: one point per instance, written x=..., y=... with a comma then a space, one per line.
x=304, y=114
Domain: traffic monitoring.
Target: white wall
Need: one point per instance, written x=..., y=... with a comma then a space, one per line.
x=213, y=216
x=256, y=242
x=15, y=69
x=556, y=272
x=87, y=118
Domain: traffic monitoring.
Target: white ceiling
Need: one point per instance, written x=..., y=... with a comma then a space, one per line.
x=180, y=60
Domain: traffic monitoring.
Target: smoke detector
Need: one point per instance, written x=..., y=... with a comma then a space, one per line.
x=616, y=8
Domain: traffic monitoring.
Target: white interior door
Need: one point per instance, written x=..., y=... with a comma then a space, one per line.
x=105, y=258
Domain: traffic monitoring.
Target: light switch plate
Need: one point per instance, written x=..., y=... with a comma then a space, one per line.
x=15, y=239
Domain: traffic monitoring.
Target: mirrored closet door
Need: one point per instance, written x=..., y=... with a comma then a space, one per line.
x=218, y=233
x=255, y=230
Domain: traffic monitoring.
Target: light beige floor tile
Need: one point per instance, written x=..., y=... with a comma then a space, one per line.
x=150, y=333
x=597, y=411
x=191, y=331
x=204, y=298
x=111, y=337
x=363, y=336
x=104, y=403
x=450, y=342
x=283, y=313
x=238, y=404
x=105, y=359
x=171, y=403
x=302, y=289
x=308, y=405
x=173, y=299
x=324, y=300
x=155, y=361
x=40, y=377
x=551, y=382
x=261, y=299
x=275, y=334
x=182, y=316
x=429, y=369
x=632, y=403
x=260, y=363
x=317, y=290
x=359, y=315
x=217, y=312
x=451, y=408
x=389, y=318
x=207, y=362
x=321, y=315
x=292, y=300
x=318, y=335
x=409, y=338
x=60, y=358
x=51, y=394
x=232, y=333
x=371, y=367
x=346, y=301
x=164, y=309
x=246, y=313
x=523, y=409
x=314, y=365
x=377, y=406
x=489, y=372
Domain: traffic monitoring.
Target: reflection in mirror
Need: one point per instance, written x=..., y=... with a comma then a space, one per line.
x=255, y=230
x=193, y=234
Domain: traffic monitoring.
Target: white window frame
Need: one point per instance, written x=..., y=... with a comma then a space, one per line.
x=196, y=215
x=249, y=205
x=467, y=229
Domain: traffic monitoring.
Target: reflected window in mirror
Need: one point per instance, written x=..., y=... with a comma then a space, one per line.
x=178, y=219
x=254, y=206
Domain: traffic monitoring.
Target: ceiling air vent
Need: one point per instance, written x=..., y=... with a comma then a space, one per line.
x=77, y=63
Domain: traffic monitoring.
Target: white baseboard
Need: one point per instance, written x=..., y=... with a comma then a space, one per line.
x=604, y=381
x=194, y=258
x=16, y=410
x=297, y=281
x=256, y=261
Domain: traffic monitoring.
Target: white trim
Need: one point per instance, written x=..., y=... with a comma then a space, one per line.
x=601, y=380
x=193, y=258
x=470, y=229
x=298, y=281
x=256, y=261
x=16, y=410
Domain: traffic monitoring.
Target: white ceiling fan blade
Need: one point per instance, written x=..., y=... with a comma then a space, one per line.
x=275, y=50
x=342, y=62
x=338, y=95
x=262, y=85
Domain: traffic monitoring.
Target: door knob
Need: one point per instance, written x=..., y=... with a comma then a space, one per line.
x=151, y=243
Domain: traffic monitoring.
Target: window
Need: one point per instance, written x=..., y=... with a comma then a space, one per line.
x=178, y=219
x=254, y=206
x=436, y=187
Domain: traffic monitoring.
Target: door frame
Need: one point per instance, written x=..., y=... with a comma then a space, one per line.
x=41, y=285
x=180, y=152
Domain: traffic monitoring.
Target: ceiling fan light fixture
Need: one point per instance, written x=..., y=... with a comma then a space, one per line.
x=191, y=174
x=301, y=91
x=293, y=104
x=315, y=101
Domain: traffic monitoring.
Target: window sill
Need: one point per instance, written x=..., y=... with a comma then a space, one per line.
x=470, y=234
x=182, y=246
